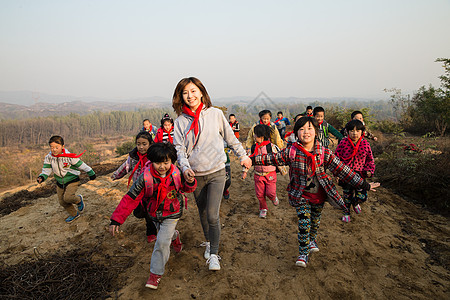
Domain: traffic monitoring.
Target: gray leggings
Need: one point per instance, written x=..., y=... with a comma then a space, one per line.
x=208, y=197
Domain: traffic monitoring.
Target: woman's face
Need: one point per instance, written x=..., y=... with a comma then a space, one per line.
x=192, y=96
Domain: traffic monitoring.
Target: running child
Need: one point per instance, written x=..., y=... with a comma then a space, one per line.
x=265, y=176
x=281, y=123
x=134, y=165
x=234, y=125
x=290, y=137
x=65, y=167
x=309, y=184
x=308, y=112
x=356, y=153
x=160, y=191
x=324, y=128
x=147, y=126
x=165, y=132
x=357, y=115
x=264, y=119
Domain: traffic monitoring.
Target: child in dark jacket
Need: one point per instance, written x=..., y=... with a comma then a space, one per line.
x=356, y=153
x=160, y=190
x=65, y=166
x=309, y=184
x=137, y=158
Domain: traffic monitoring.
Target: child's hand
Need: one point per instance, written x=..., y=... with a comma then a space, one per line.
x=369, y=174
x=244, y=172
x=189, y=175
x=374, y=185
x=40, y=179
x=375, y=138
x=113, y=229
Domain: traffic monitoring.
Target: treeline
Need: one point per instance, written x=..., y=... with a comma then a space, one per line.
x=75, y=127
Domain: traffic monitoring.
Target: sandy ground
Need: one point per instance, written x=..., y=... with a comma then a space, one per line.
x=393, y=250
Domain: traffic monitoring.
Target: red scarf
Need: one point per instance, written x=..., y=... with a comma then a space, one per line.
x=311, y=159
x=259, y=145
x=278, y=119
x=142, y=160
x=260, y=122
x=320, y=123
x=163, y=187
x=309, y=115
x=195, y=115
x=355, y=147
x=71, y=155
x=168, y=134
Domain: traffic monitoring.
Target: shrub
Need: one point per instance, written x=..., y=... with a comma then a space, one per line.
x=125, y=148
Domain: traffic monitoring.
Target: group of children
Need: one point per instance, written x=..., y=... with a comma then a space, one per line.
x=157, y=192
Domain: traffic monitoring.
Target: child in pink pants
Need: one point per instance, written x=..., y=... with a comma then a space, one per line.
x=265, y=176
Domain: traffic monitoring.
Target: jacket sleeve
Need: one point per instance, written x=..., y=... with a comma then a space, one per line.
x=369, y=134
x=80, y=165
x=188, y=187
x=130, y=201
x=339, y=150
x=334, y=132
x=343, y=172
x=286, y=120
x=250, y=139
x=123, y=169
x=179, y=143
x=158, y=137
x=369, y=165
x=46, y=168
x=277, y=139
x=280, y=158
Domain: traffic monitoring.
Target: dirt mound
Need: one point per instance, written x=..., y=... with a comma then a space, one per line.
x=394, y=249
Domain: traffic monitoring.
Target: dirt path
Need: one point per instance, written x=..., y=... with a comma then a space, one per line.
x=393, y=250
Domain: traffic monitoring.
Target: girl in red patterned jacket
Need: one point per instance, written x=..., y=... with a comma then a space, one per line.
x=356, y=153
x=309, y=185
x=265, y=176
x=159, y=189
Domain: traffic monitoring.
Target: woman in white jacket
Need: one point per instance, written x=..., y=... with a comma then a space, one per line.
x=199, y=132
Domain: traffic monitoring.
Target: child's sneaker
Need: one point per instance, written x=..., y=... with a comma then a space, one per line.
x=263, y=213
x=207, y=250
x=302, y=260
x=313, y=247
x=226, y=194
x=276, y=201
x=153, y=281
x=213, y=262
x=151, y=238
x=70, y=219
x=346, y=218
x=176, y=243
x=80, y=204
x=357, y=209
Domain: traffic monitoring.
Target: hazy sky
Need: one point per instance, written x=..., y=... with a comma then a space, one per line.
x=126, y=49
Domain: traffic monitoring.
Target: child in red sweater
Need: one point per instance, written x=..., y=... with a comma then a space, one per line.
x=165, y=132
x=160, y=191
x=356, y=153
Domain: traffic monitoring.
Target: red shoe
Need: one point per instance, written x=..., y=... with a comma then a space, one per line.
x=151, y=238
x=153, y=281
x=226, y=194
x=177, y=244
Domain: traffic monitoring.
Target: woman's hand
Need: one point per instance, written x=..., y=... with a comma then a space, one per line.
x=113, y=229
x=247, y=163
x=189, y=175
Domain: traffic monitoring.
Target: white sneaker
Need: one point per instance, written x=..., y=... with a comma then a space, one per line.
x=213, y=262
x=207, y=250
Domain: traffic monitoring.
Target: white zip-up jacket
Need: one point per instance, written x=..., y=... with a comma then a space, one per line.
x=205, y=155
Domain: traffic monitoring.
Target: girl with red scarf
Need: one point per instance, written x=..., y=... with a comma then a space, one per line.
x=356, y=153
x=309, y=184
x=160, y=191
x=200, y=132
x=265, y=176
x=264, y=119
x=134, y=165
x=165, y=132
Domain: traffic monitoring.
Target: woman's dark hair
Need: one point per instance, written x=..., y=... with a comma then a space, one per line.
x=318, y=109
x=56, y=139
x=144, y=135
x=265, y=112
x=161, y=152
x=355, y=124
x=165, y=118
x=177, y=99
x=356, y=112
x=262, y=130
x=302, y=121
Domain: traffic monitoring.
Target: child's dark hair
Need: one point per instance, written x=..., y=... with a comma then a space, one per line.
x=302, y=121
x=145, y=120
x=355, y=124
x=298, y=115
x=144, y=135
x=356, y=112
x=161, y=152
x=262, y=130
x=231, y=115
x=265, y=112
x=280, y=113
x=308, y=107
x=318, y=109
x=165, y=118
x=56, y=139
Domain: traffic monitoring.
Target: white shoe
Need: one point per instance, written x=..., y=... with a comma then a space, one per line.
x=207, y=250
x=213, y=261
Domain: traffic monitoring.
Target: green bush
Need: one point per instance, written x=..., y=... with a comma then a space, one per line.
x=387, y=126
x=125, y=148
